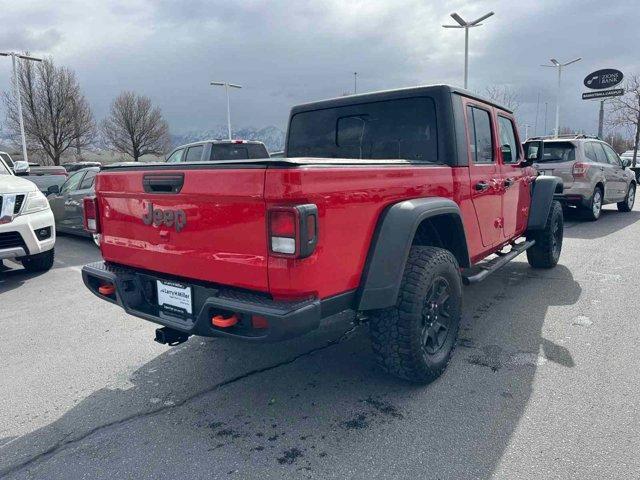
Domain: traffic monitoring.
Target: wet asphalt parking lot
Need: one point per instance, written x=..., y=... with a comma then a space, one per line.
x=545, y=383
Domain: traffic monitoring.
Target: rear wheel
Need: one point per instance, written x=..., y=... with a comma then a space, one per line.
x=546, y=251
x=415, y=339
x=593, y=211
x=40, y=262
x=627, y=204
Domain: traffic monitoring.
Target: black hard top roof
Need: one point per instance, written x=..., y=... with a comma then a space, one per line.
x=434, y=90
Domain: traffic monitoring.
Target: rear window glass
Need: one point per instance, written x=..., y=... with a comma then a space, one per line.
x=559, y=152
x=392, y=129
x=237, y=151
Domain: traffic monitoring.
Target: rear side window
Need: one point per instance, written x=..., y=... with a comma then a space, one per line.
x=176, y=156
x=72, y=182
x=555, y=152
x=589, y=152
x=480, y=139
x=393, y=129
x=601, y=157
x=194, y=154
x=508, y=144
x=87, y=181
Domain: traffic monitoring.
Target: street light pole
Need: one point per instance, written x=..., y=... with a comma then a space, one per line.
x=556, y=64
x=226, y=88
x=355, y=82
x=16, y=85
x=466, y=25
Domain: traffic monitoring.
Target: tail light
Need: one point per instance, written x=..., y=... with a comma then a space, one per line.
x=91, y=220
x=580, y=169
x=293, y=231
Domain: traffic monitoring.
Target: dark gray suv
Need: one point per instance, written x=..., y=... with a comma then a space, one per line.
x=592, y=172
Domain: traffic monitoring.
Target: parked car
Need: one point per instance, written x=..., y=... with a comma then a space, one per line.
x=67, y=201
x=216, y=150
x=43, y=176
x=374, y=209
x=74, y=167
x=591, y=171
x=27, y=232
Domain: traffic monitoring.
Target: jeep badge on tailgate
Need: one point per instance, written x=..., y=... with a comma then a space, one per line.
x=170, y=218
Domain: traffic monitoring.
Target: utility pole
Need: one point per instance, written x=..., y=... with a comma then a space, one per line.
x=556, y=64
x=526, y=130
x=16, y=85
x=466, y=25
x=535, y=125
x=355, y=82
x=546, y=104
x=601, y=119
x=226, y=87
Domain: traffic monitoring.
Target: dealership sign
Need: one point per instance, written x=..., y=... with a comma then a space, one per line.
x=616, y=92
x=605, y=78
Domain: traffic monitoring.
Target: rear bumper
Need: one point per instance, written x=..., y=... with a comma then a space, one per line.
x=576, y=193
x=135, y=292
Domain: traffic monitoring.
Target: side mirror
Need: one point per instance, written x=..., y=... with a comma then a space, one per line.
x=21, y=168
x=533, y=152
x=53, y=189
x=625, y=162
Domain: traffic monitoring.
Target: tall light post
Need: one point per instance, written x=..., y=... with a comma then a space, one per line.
x=226, y=87
x=355, y=82
x=13, y=56
x=556, y=64
x=466, y=26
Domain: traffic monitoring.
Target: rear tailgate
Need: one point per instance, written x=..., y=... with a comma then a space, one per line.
x=223, y=239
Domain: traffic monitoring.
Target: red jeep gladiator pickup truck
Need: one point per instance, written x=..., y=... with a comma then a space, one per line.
x=384, y=204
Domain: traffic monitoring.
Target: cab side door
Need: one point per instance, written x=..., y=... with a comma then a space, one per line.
x=484, y=171
x=515, y=179
x=75, y=212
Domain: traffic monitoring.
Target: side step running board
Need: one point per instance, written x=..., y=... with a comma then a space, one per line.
x=497, y=263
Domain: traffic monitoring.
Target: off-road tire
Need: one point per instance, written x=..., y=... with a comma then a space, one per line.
x=400, y=335
x=546, y=251
x=588, y=212
x=627, y=205
x=40, y=262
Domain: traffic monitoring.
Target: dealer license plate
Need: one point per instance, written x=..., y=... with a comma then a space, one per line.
x=174, y=298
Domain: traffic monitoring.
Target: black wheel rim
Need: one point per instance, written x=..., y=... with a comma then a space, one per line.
x=436, y=316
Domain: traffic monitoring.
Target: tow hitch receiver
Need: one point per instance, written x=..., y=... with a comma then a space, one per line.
x=169, y=336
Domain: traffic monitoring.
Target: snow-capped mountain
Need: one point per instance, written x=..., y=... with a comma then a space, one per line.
x=272, y=137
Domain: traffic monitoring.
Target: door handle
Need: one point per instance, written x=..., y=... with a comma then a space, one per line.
x=481, y=186
x=508, y=182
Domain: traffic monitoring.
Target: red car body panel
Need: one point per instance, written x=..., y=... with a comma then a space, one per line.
x=223, y=241
x=350, y=201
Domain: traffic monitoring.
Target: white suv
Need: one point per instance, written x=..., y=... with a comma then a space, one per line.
x=27, y=231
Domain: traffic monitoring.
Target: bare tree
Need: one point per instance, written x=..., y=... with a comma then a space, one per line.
x=503, y=95
x=56, y=113
x=135, y=127
x=625, y=111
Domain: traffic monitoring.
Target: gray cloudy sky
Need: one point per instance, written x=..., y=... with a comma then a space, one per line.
x=288, y=52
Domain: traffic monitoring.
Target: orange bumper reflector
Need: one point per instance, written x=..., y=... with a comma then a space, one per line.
x=259, y=322
x=220, y=321
x=107, y=289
